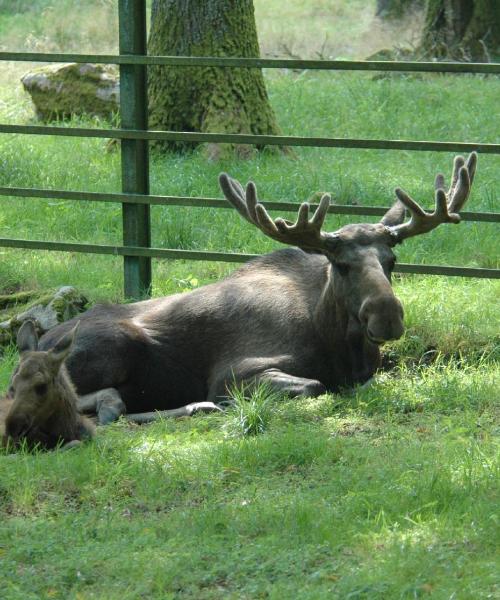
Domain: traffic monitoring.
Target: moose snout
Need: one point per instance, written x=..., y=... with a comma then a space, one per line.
x=382, y=317
x=17, y=426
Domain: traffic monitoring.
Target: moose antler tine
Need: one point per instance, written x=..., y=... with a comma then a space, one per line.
x=251, y=199
x=233, y=194
x=237, y=189
x=228, y=189
x=458, y=163
x=410, y=204
x=441, y=210
x=471, y=166
x=461, y=191
x=321, y=212
x=302, y=216
x=265, y=222
x=439, y=182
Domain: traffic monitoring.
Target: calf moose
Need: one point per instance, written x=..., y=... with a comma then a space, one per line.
x=41, y=409
x=306, y=320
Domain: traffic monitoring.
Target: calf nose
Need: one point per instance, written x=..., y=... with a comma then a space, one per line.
x=16, y=427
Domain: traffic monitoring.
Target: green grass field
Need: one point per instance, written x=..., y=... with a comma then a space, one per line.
x=378, y=493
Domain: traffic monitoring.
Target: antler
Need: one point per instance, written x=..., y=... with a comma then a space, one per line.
x=448, y=204
x=304, y=233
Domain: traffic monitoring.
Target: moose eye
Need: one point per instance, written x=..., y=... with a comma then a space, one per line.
x=41, y=389
x=342, y=268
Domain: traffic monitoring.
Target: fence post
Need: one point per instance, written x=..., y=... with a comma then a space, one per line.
x=134, y=153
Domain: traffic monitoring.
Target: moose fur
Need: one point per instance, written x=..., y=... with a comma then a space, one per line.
x=306, y=320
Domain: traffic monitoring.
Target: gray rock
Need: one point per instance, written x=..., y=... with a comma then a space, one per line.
x=46, y=312
x=60, y=91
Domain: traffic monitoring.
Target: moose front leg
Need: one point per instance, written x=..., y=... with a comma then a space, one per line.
x=290, y=385
x=107, y=404
x=251, y=372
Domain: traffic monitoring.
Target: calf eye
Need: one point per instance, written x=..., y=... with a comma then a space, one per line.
x=41, y=389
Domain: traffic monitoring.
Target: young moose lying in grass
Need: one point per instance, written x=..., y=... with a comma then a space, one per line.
x=41, y=407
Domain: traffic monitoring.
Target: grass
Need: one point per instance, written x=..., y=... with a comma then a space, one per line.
x=251, y=409
x=332, y=500
x=389, y=491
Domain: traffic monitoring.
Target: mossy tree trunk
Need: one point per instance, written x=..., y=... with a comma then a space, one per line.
x=207, y=99
x=462, y=29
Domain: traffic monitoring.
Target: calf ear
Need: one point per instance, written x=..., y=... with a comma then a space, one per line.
x=395, y=215
x=27, y=338
x=63, y=347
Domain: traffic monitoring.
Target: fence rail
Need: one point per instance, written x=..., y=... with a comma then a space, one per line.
x=134, y=133
x=201, y=202
x=170, y=253
x=258, y=63
x=258, y=140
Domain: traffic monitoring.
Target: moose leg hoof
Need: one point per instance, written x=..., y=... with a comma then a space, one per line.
x=202, y=407
x=110, y=406
x=71, y=445
x=293, y=386
x=313, y=389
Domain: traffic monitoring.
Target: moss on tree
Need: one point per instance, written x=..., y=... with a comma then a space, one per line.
x=462, y=29
x=207, y=99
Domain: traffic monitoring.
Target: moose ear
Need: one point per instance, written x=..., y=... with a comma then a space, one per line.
x=27, y=338
x=63, y=347
x=395, y=215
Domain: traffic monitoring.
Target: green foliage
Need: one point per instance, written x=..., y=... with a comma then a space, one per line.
x=251, y=409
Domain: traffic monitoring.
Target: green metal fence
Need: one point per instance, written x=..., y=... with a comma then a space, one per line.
x=134, y=134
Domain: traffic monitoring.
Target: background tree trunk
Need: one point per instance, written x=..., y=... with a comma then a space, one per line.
x=462, y=29
x=207, y=99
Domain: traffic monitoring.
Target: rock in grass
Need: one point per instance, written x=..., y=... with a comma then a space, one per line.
x=46, y=310
x=60, y=91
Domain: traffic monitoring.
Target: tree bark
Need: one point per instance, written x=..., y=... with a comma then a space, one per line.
x=462, y=29
x=207, y=99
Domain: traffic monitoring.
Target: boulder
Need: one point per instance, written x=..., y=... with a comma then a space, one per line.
x=60, y=91
x=46, y=311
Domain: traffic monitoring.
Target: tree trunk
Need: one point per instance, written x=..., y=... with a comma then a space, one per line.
x=207, y=99
x=462, y=29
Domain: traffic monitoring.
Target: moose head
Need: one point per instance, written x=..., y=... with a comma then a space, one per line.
x=361, y=255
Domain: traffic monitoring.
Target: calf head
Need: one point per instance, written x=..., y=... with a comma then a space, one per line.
x=37, y=393
x=361, y=255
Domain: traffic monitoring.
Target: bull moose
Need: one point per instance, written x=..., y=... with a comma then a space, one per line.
x=306, y=320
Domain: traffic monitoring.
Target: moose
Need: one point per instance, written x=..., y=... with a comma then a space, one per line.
x=306, y=320
x=42, y=409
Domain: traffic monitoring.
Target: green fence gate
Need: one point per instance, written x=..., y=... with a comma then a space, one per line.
x=134, y=135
